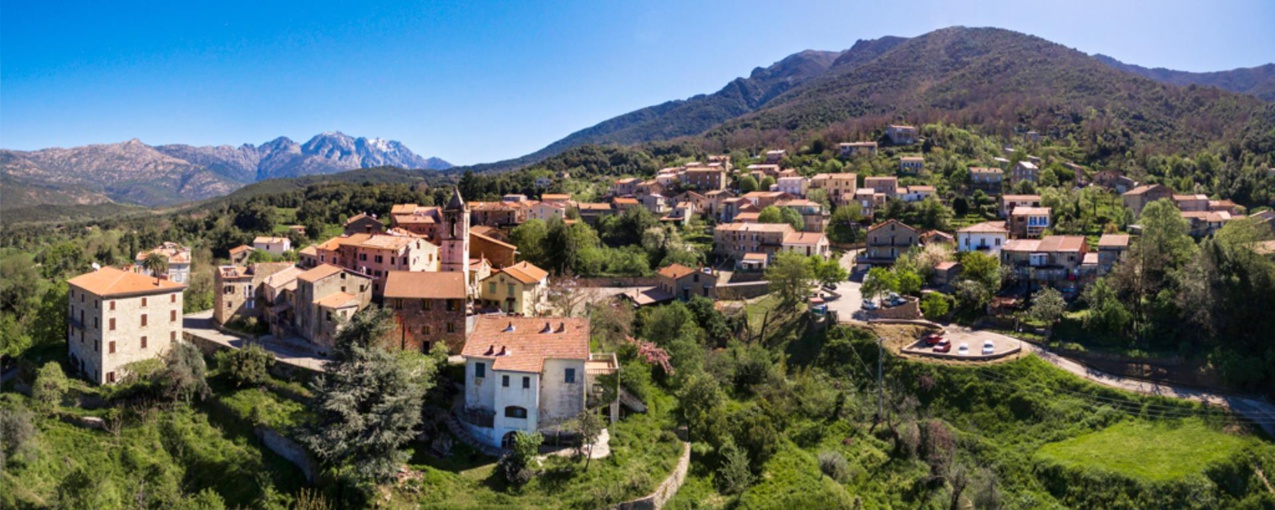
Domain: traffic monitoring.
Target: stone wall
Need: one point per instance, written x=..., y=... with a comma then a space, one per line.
x=288, y=449
x=666, y=490
x=908, y=310
x=736, y=291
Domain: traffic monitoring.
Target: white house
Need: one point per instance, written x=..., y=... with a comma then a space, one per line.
x=987, y=237
x=526, y=374
x=916, y=193
x=272, y=245
x=795, y=186
x=546, y=211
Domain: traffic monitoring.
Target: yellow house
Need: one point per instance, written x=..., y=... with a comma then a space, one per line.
x=520, y=288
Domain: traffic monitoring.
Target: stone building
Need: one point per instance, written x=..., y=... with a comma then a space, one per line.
x=364, y=224
x=237, y=290
x=116, y=317
x=520, y=288
x=325, y=298
x=453, y=236
x=428, y=308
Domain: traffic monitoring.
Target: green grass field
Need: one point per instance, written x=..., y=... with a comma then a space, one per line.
x=1153, y=452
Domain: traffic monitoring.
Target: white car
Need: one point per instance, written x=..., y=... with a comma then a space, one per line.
x=963, y=350
x=869, y=304
x=989, y=347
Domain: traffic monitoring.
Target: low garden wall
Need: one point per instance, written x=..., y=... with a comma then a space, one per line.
x=737, y=291
x=288, y=449
x=619, y=281
x=666, y=490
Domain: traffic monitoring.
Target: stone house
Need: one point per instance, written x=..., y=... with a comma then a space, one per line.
x=1024, y=171
x=116, y=317
x=239, y=254
x=527, y=375
x=1010, y=202
x=428, y=308
x=1192, y=203
x=364, y=224
x=416, y=219
x=839, y=187
x=887, y=240
x=1114, y=180
x=1111, y=249
x=1138, y=198
x=683, y=282
x=705, y=179
x=326, y=297
x=901, y=134
x=764, y=199
x=813, y=217
x=1050, y=261
x=911, y=164
x=237, y=292
x=545, y=211
x=521, y=289
x=1029, y=222
x=498, y=252
x=773, y=157
x=886, y=185
x=592, y=213
x=870, y=201
x=916, y=193
x=178, y=258
x=625, y=187
x=734, y=240
x=795, y=186
x=987, y=179
x=809, y=244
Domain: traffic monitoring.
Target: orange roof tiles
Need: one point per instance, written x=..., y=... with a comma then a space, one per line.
x=525, y=272
x=425, y=285
x=112, y=282
x=986, y=227
x=1113, y=241
x=319, y=272
x=675, y=271
x=803, y=238
x=522, y=344
x=338, y=300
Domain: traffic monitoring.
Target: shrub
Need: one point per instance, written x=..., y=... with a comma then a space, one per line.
x=935, y=305
x=834, y=465
x=517, y=464
x=250, y=365
x=733, y=475
x=50, y=386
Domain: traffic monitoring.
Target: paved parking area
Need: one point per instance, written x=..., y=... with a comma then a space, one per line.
x=201, y=324
x=957, y=335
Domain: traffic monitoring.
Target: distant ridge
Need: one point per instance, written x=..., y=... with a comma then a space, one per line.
x=133, y=172
x=1255, y=81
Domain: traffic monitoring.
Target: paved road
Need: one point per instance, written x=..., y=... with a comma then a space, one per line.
x=1258, y=411
x=850, y=301
x=201, y=324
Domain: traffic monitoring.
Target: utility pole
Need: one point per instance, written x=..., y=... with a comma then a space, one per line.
x=880, y=387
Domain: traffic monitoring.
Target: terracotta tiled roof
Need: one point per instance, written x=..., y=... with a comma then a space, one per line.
x=803, y=238
x=310, y=250
x=1091, y=259
x=240, y=249
x=1031, y=211
x=912, y=159
x=319, y=272
x=1145, y=188
x=755, y=257
x=590, y=206
x=525, y=272
x=173, y=252
x=755, y=227
x=269, y=240
x=492, y=240
x=1019, y=198
x=522, y=344
x=887, y=222
x=338, y=300
x=1113, y=241
x=945, y=265
x=111, y=282
x=986, y=227
x=284, y=278
x=549, y=197
x=1024, y=245
x=339, y=241
x=358, y=217
x=425, y=285
x=675, y=271
x=858, y=144
x=1062, y=243
x=747, y=217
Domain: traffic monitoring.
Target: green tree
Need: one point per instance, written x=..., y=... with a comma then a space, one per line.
x=909, y=282
x=588, y=425
x=18, y=435
x=517, y=466
x=250, y=366
x=790, y=276
x=983, y=269
x=734, y=475
x=156, y=263
x=770, y=214
x=765, y=183
x=1107, y=313
x=1047, y=305
x=878, y=282
x=843, y=225
x=530, y=239
x=792, y=217
x=367, y=403
x=185, y=374
x=50, y=386
x=828, y=271
x=935, y=305
x=747, y=184
x=62, y=259
x=699, y=401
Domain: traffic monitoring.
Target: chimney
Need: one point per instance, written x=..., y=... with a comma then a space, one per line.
x=562, y=326
x=547, y=329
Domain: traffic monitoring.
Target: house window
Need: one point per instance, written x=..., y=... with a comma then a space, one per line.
x=97, y=345
x=451, y=328
x=112, y=306
x=511, y=289
x=515, y=412
x=480, y=370
x=425, y=330
x=452, y=304
x=380, y=259
x=504, y=381
x=172, y=298
x=110, y=377
x=571, y=375
x=143, y=342
x=95, y=304
x=143, y=319
x=526, y=383
x=491, y=288
x=172, y=337
x=172, y=314
x=110, y=347
x=111, y=324
x=143, y=301
x=426, y=304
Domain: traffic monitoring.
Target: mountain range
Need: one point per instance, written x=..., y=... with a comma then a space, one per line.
x=133, y=172
x=958, y=74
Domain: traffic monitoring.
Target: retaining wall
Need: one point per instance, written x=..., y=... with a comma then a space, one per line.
x=288, y=449
x=667, y=489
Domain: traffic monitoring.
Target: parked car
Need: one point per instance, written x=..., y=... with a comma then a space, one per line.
x=989, y=347
x=932, y=338
x=964, y=349
x=894, y=299
x=944, y=345
x=869, y=304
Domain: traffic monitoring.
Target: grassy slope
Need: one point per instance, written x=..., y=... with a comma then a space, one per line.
x=1153, y=451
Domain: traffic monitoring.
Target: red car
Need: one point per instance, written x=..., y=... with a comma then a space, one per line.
x=932, y=338
x=944, y=345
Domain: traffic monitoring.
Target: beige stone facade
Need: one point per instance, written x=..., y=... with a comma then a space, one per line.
x=117, y=317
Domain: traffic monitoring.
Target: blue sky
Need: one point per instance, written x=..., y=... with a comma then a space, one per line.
x=482, y=81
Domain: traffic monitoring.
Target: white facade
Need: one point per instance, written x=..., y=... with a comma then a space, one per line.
x=524, y=401
x=272, y=245
x=795, y=186
x=988, y=242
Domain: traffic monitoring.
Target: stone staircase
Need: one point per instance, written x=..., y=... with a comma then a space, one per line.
x=462, y=434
